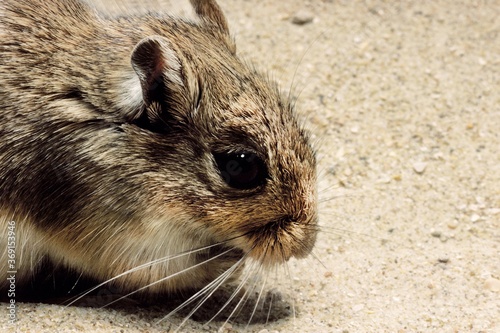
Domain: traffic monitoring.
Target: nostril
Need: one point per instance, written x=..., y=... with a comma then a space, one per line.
x=288, y=219
x=281, y=223
x=302, y=219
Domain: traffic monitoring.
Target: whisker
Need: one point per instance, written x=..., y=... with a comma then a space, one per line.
x=76, y=282
x=233, y=295
x=343, y=232
x=246, y=296
x=268, y=315
x=142, y=266
x=256, y=272
x=222, y=280
x=336, y=185
x=244, y=280
x=286, y=267
x=270, y=307
x=322, y=171
x=315, y=256
x=300, y=62
x=211, y=287
x=260, y=293
x=343, y=193
x=169, y=277
x=331, y=198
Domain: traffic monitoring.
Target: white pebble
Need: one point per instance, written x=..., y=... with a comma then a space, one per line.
x=358, y=307
x=419, y=167
x=302, y=17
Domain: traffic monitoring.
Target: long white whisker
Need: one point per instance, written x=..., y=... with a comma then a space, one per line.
x=258, y=300
x=233, y=295
x=169, y=277
x=213, y=286
x=244, y=280
x=142, y=266
x=331, y=198
x=270, y=307
x=313, y=254
x=287, y=273
x=342, y=232
x=300, y=62
x=328, y=188
x=251, y=289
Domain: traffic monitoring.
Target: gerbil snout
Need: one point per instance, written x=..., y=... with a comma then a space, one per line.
x=285, y=238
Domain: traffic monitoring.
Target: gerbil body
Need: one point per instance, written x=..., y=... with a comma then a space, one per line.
x=127, y=140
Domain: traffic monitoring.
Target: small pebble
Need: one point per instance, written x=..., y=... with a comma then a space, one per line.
x=419, y=167
x=328, y=274
x=443, y=260
x=227, y=327
x=475, y=218
x=358, y=307
x=302, y=17
x=79, y=327
x=385, y=179
x=48, y=323
x=492, y=284
x=493, y=211
x=453, y=224
x=436, y=234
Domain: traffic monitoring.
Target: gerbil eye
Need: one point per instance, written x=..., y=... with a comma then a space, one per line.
x=241, y=170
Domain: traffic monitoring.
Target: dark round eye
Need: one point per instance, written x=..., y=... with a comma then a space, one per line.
x=241, y=170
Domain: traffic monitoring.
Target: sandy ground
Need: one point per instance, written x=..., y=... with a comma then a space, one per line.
x=404, y=102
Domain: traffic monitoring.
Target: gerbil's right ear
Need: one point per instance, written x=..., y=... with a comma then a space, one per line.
x=158, y=69
x=210, y=11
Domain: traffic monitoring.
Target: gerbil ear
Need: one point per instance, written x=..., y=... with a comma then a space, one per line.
x=156, y=65
x=210, y=11
x=158, y=68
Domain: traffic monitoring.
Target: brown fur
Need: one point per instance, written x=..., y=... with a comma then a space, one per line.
x=107, y=134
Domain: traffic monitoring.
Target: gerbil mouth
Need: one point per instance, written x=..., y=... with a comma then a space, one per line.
x=279, y=240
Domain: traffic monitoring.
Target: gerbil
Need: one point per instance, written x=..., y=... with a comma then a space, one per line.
x=126, y=140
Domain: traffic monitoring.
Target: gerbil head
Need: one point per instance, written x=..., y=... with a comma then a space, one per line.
x=223, y=145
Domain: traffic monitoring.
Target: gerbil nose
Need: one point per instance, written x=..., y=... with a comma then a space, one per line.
x=287, y=219
x=305, y=214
